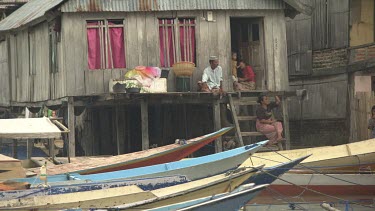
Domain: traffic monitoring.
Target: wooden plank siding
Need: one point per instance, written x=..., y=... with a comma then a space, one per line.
x=141, y=30
x=324, y=94
x=4, y=73
x=330, y=22
x=299, y=45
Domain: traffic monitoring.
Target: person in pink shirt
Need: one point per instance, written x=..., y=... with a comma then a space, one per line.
x=245, y=80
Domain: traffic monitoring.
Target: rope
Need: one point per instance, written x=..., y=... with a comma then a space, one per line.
x=283, y=198
x=308, y=189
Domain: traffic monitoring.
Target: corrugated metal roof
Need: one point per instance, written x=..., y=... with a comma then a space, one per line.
x=35, y=9
x=32, y=10
x=166, y=5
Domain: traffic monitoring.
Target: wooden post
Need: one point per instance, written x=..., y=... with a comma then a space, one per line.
x=144, y=122
x=217, y=125
x=71, y=126
x=51, y=148
x=117, y=129
x=14, y=149
x=29, y=147
x=286, y=122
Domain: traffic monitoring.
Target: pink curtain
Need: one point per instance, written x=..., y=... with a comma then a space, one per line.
x=166, y=43
x=116, y=36
x=187, y=40
x=93, y=41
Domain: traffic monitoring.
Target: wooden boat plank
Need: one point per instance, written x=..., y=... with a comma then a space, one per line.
x=332, y=157
x=90, y=199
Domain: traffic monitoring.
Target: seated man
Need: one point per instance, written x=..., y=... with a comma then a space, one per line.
x=212, y=78
x=245, y=78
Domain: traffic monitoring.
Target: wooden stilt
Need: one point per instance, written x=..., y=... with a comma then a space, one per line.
x=117, y=129
x=286, y=122
x=144, y=122
x=71, y=126
x=51, y=148
x=217, y=125
x=14, y=148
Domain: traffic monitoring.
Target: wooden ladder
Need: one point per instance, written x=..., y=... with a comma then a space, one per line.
x=244, y=101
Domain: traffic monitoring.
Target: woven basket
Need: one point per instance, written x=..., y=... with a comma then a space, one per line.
x=183, y=68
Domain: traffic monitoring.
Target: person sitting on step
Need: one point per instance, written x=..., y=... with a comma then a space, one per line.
x=267, y=125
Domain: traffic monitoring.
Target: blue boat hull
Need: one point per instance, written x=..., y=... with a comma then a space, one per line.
x=194, y=169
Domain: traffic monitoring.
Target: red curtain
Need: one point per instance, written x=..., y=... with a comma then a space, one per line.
x=187, y=40
x=166, y=43
x=115, y=49
x=93, y=41
x=116, y=36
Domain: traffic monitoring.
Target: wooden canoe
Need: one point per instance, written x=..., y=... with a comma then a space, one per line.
x=228, y=201
x=133, y=195
x=192, y=190
x=164, y=154
x=346, y=158
x=196, y=168
x=144, y=183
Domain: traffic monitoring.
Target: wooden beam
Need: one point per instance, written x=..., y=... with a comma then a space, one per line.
x=217, y=125
x=144, y=122
x=300, y=6
x=71, y=126
x=286, y=122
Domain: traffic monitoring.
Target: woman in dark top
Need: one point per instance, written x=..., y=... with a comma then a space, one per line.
x=265, y=124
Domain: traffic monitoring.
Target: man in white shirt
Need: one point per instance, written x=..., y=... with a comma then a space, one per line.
x=212, y=78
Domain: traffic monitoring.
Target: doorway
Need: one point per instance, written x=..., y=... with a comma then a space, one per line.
x=247, y=42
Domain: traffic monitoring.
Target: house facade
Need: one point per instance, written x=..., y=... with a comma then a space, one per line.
x=330, y=53
x=55, y=49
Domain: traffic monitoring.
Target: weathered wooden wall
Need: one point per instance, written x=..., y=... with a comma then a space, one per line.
x=330, y=24
x=360, y=107
x=4, y=75
x=142, y=47
x=32, y=79
x=327, y=98
x=299, y=45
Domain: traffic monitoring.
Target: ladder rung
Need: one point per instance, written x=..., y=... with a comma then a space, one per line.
x=246, y=118
x=251, y=134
